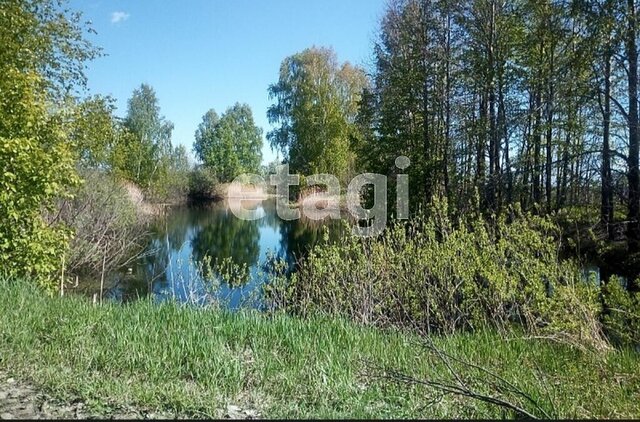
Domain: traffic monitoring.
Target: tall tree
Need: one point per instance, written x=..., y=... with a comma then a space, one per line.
x=46, y=37
x=315, y=111
x=207, y=142
x=230, y=145
x=634, y=136
x=143, y=157
x=492, y=35
x=602, y=35
x=414, y=93
x=94, y=131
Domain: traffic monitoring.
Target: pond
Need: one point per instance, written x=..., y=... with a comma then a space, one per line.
x=170, y=267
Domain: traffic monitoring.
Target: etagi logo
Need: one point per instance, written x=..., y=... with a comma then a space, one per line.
x=325, y=204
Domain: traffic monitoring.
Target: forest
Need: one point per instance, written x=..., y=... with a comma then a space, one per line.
x=510, y=285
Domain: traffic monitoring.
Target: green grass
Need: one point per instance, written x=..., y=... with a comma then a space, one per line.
x=196, y=361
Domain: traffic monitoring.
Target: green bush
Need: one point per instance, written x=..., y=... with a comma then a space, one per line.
x=202, y=183
x=170, y=187
x=32, y=176
x=621, y=316
x=434, y=276
x=41, y=60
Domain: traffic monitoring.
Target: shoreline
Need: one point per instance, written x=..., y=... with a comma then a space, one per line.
x=207, y=363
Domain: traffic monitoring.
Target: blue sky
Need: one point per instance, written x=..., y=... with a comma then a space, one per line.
x=202, y=54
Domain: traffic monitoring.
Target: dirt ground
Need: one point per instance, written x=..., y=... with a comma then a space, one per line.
x=20, y=400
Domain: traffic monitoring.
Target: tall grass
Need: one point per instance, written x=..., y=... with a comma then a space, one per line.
x=196, y=361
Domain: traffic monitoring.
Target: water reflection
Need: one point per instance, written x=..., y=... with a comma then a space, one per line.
x=223, y=235
x=171, y=264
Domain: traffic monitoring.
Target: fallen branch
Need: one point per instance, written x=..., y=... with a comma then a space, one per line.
x=459, y=387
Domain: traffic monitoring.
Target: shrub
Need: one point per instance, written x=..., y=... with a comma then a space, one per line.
x=202, y=183
x=171, y=183
x=32, y=174
x=621, y=316
x=105, y=223
x=171, y=187
x=436, y=277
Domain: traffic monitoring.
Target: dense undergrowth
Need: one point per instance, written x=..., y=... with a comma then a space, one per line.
x=435, y=275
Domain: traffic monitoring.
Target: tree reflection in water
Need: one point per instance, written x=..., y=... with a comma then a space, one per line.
x=183, y=239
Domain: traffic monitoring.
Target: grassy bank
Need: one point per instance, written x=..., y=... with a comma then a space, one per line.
x=197, y=362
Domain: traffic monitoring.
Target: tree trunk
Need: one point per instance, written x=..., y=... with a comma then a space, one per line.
x=481, y=140
x=494, y=145
x=447, y=99
x=527, y=173
x=561, y=195
x=505, y=135
x=549, y=145
x=537, y=139
x=426, y=134
x=633, y=175
x=606, y=209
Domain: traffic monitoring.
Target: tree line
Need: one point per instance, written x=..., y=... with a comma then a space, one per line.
x=496, y=103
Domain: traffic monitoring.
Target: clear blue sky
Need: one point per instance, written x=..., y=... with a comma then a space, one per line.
x=202, y=54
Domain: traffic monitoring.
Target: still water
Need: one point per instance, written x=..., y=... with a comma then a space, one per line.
x=170, y=265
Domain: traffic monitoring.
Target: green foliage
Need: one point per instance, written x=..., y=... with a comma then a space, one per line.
x=622, y=312
x=144, y=120
x=33, y=174
x=178, y=173
x=94, y=131
x=227, y=269
x=206, y=136
x=315, y=110
x=45, y=37
x=418, y=96
x=195, y=361
x=41, y=59
x=435, y=276
x=142, y=151
x=143, y=155
x=126, y=156
x=172, y=183
x=202, y=183
x=270, y=168
x=230, y=145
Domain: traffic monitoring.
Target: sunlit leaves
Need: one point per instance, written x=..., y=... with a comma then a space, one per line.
x=315, y=108
x=41, y=60
x=229, y=145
